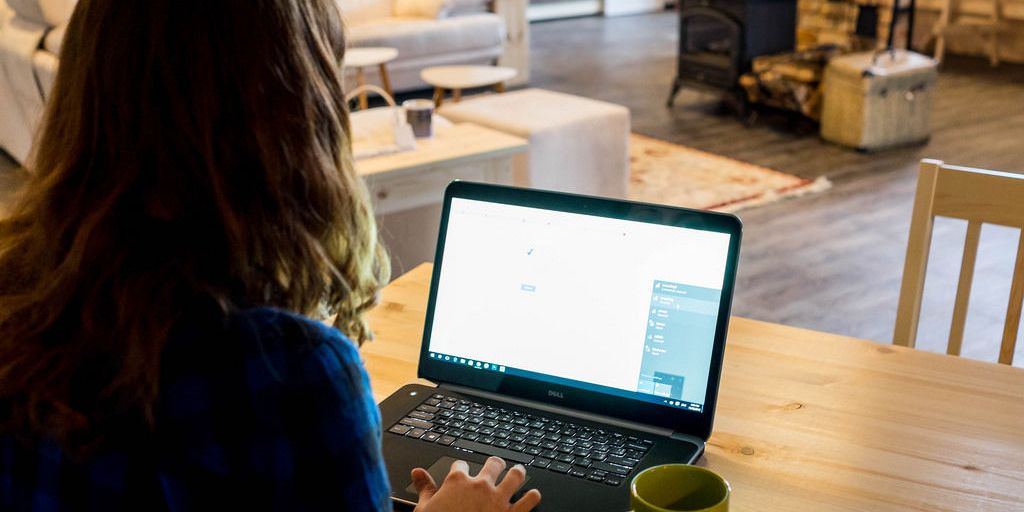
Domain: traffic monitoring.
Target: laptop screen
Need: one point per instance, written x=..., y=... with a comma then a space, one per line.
x=620, y=307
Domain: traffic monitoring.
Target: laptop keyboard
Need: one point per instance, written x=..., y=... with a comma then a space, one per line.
x=581, y=451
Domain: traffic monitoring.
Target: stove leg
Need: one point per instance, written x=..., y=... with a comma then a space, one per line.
x=676, y=85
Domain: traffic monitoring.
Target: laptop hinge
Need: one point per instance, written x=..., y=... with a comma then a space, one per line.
x=567, y=411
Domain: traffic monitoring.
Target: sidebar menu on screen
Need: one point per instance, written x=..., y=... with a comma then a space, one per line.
x=680, y=333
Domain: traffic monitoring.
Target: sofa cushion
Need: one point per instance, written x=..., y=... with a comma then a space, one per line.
x=27, y=9
x=463, y=7
x=419, y=37
x=43, y=12
x=421, y=8
x=57, y=12
x=54, y=39
x=358, y=12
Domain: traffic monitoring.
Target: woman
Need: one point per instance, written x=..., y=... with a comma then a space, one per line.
x=193, y=203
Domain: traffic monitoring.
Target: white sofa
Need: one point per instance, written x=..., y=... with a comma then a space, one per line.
x=425, y=32
x=30, y=36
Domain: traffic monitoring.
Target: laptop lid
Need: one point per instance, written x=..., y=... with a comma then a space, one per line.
x=612, y=307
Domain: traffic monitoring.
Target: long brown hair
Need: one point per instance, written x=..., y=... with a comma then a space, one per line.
x=191, y=151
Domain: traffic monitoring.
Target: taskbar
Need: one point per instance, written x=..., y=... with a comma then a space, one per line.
x=635, y=395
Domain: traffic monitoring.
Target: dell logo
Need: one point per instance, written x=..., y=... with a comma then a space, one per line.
x=556, y=394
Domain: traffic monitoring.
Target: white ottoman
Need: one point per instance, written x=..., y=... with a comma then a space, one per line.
x=576, y=144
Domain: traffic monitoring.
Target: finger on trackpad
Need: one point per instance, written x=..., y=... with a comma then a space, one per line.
x=440, y=468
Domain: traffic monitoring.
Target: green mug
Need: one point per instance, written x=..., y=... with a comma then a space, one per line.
x=679, y=488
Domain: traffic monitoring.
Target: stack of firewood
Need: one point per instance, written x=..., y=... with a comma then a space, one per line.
x=790, y=81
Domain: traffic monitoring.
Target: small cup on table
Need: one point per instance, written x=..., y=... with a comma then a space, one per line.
x=419, y=114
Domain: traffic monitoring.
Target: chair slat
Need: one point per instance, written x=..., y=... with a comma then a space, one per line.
x=1013, y=309
x=963, y=289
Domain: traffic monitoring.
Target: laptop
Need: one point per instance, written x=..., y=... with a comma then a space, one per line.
x=579, y=336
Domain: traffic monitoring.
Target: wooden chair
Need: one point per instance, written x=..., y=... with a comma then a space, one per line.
x=978, y=196
x=952, y=18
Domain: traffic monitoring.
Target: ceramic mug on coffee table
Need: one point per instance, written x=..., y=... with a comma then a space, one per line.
x=679, y=488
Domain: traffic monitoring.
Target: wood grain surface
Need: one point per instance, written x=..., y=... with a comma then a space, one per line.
x=818, y=422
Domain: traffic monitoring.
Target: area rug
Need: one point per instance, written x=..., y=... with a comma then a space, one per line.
x=666, y=173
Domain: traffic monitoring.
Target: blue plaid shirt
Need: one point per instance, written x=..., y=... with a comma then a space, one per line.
x=271, y=411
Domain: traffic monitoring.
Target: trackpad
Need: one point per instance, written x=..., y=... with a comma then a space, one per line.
x=440, y=468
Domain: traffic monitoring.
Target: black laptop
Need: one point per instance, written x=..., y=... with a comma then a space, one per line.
x=579, y=336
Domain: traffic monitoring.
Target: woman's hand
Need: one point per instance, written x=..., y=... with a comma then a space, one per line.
x=480, y=493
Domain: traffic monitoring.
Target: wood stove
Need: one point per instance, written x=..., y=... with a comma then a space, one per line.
x=719, y=38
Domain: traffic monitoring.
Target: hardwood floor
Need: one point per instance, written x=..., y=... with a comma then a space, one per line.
x=830, y=261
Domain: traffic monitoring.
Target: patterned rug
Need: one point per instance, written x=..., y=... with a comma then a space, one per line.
x=668, y=173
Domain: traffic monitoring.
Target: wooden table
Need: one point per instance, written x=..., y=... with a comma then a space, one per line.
x=407, y=188
x=818, y=422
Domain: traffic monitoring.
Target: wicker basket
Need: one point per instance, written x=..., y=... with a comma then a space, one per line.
x=878, y=100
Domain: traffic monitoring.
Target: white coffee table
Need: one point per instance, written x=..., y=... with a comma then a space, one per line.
x=360, y=58
x=457, y=78
x=407, y=188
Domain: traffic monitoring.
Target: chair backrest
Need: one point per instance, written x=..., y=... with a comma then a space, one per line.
x=979, y=197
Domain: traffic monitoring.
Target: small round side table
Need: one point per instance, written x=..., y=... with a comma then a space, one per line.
x=360, y=58
x=457, y=78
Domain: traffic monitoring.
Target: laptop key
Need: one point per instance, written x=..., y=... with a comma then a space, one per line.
x=472, y=436
x=541, y=462
x=415, y=423
x=623, y=461
x=559, y=467
x=446, y=440
x=415, y=433
x=613, y=481
x=568, y=459
x=431, y=401
x=400, y=429
x=517, y=447
x=595, y=477
x=578, y=472
x=428, y=409
x=502, y=443
x=496, y=451
x=430, y=437
x=532, y=450
x=611, y=468
x=486, y=439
